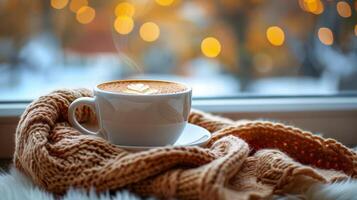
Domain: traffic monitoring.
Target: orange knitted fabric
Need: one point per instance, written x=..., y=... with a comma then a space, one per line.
x=243, y=160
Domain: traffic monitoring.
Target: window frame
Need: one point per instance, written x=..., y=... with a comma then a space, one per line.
x=241, y=103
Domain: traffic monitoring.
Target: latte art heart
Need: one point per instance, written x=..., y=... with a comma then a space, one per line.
x=140, y=88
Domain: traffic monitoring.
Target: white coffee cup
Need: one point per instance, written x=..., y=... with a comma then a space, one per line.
x=136, y=119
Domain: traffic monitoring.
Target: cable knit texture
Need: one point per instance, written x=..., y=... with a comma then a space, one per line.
x=243, y=160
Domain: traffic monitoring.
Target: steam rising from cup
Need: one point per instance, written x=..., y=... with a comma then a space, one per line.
x=127, y=17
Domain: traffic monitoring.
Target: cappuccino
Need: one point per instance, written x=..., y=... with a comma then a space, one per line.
x=143, y=87
x=137, y=112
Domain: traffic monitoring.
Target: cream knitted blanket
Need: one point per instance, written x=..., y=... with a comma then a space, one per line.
x=243, y=160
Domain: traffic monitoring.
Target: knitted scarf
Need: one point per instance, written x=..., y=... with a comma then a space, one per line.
x=243, y=160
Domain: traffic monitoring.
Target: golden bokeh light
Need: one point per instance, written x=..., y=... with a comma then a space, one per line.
x=149, y=32
x=59, y=4
x=275, y=35
x=311, y=5
x=75, y=5
x=85, y=15
x=344, y=9
x=164, y=2
x=210, y=47
x=124, y=8
x=314, y=6
x=123, y=25
x=325, y=36
x=319, y=9
x=356, y=30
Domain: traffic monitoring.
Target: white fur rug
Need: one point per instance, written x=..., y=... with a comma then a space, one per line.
x=15, y=186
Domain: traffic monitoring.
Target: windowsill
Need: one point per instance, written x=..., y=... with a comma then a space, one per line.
x=239, y=105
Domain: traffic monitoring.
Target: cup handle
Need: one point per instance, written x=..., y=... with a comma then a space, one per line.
x=88, y=101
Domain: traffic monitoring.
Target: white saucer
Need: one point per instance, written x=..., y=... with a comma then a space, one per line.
x=192, y=135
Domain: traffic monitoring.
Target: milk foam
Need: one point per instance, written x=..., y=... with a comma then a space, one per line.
x=142, y=87
x=139, y=88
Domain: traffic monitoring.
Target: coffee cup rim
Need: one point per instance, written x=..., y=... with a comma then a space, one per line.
x=187, y=88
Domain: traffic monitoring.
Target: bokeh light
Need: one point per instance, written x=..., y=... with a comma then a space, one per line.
x=344, y=9
x=59, y=4
x=319, y=9
x=164, y=2
x=275, y=35
x=75, y=5
x=313, y=6
x=149, y=32
x=210, y=47
x=123, y=25
x=356, y=30
x=325, y=36
x=125, y=8
x=85, y=15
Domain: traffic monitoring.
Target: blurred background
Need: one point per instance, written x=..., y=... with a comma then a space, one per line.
x=219, y=47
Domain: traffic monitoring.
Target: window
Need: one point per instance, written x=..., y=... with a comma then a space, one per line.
x=220, y=47
x=291, y=61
